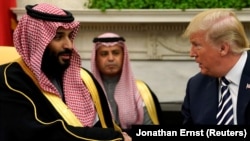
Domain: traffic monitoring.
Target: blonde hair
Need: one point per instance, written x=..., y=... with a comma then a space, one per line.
x=220, y=25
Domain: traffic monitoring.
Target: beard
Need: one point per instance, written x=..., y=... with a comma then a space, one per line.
x=51, y=64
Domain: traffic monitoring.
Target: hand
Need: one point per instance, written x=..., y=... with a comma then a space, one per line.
x=126, y=137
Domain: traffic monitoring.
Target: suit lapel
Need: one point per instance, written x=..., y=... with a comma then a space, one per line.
x=244, y=92
x=211, y=100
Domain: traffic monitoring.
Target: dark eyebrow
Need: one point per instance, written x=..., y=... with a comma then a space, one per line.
x=62, y=33
x=59, y=32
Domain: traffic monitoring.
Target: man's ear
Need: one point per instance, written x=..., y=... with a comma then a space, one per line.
x=224, y=48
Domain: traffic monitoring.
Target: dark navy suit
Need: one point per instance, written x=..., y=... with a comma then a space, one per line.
x=201, y=100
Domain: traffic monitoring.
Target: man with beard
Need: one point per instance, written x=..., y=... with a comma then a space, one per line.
x=131, y=101
x=45, y=94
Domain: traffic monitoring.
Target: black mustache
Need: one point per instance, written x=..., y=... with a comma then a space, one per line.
x=66, y=51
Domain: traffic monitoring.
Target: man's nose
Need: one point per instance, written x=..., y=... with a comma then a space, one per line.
x=110, y=56
x=68, y=43
x=192, y=52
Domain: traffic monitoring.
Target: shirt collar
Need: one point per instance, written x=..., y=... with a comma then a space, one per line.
x=234, y=75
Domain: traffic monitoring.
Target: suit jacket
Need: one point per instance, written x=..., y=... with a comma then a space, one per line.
x=201, y=101
x=27, y=115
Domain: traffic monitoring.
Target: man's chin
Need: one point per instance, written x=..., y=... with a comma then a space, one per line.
x=205, y=72
x=65, y=63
